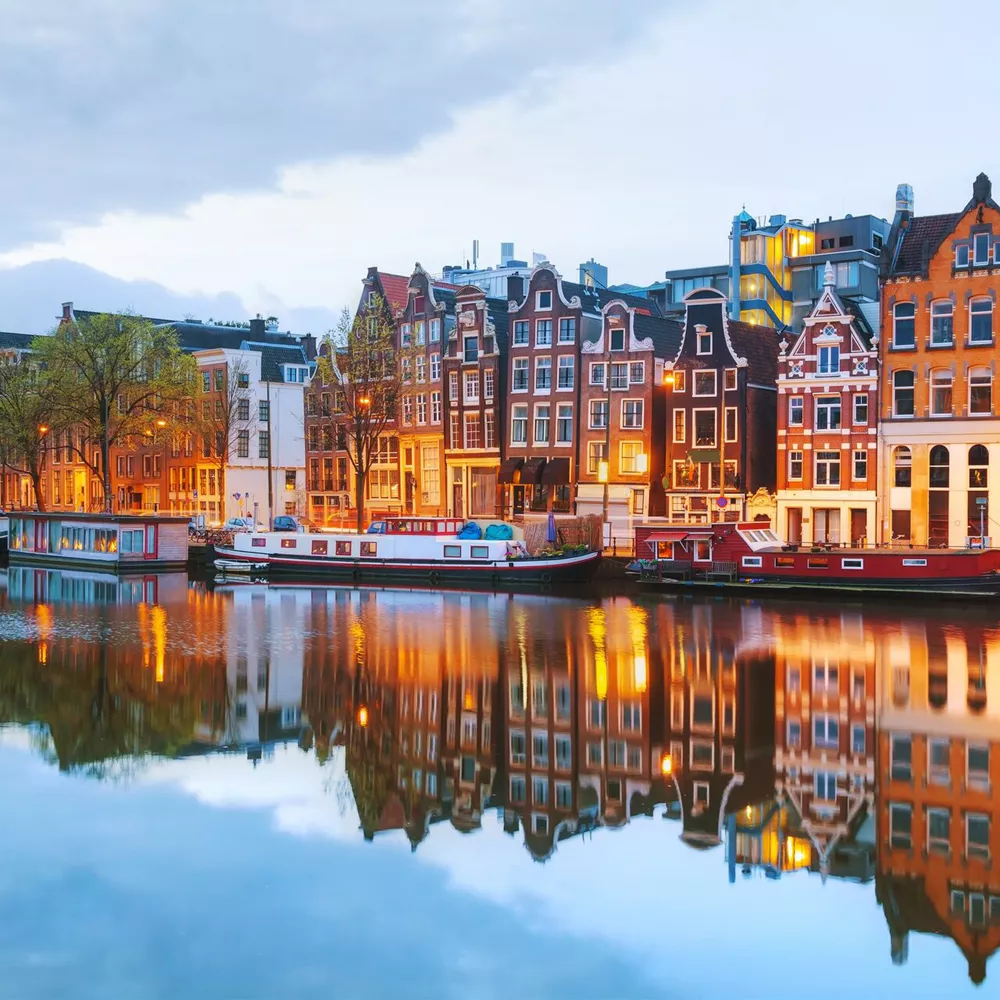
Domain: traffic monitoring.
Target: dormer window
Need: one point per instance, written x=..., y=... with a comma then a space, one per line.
x=961, y=256
x=418, y=303
x=372, y=297
x=981, y=249
x=828, y=360
x=704, y=342
x=405, y=335
x=618, y=338
x=543, y=300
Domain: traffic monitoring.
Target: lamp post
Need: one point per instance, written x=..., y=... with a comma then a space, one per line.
x=604, y=467
x=362, y=406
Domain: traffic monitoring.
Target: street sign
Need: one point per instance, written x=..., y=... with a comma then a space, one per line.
x=982, y=501
x=721, y=502
x=195, y=494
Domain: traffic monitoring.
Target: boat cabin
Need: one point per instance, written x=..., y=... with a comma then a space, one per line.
x=417, y=526
x=113, y=543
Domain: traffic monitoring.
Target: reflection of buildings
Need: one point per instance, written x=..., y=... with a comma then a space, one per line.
x=820, y=813
x=719, y=720
x=939, y=769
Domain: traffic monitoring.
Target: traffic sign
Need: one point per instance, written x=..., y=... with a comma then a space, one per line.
x=982, y=501
x=721, y=502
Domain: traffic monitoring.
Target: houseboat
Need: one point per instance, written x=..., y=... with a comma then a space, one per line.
x=108, y=543
x=749, y=556
x=4, y=535
x=428, y=551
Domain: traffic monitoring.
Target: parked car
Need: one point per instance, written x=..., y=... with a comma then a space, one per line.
x=285, y=522
x=238, y=524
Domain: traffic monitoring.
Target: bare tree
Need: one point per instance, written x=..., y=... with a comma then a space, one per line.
x=363, y=366
x=224, y=416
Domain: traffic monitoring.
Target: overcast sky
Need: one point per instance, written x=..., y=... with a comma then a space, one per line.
x=277, y=149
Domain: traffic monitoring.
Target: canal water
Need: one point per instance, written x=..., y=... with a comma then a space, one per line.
x=256, y=792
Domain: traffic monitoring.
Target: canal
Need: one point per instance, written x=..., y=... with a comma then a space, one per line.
x=245, y=791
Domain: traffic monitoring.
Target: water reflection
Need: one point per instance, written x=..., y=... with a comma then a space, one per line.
x=794, y=742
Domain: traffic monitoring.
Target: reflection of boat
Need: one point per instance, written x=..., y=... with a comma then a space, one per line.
x=237, y=567
x=4, y=535
x=749, y=557
x=421, y=550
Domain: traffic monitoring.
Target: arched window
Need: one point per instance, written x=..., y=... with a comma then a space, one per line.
x=980, y=391
x=981, y=321
x=979, y=460
x=941, y=386
x=902, y=393
x=939, y=466
x=903, y=325
x=902, y=466
x=978, y=507
x=942, y=314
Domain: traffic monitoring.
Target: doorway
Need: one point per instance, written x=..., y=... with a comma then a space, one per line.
x=859, y=528
x=456, y=501
x=826, y=525
x=794, y=532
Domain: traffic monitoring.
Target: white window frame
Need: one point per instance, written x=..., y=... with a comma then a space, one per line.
x=981, y=300
x=570, y=366
x=559, y=336
x=830, y=463
x=799, y=410
x=937, y=312
x=560, y=409
x=703, y=342
x=641, y=366
x=538, y=300
x=632, y=459
x=826, y=368
x=895, y=320
x=682, y=437
x=590, y=415
x=859, y=455
x=826, y=404
x=729, y=382
x=794, y=456
x=543, y=362
x=734, y=412
x=984, y=240
x=534, y=423
x=715, y=383
x=596, y=366
x=514, y=418
x=520, y=364
x=980, y=372
x=860, y=400
x=694, y=427
x=642, y=414
x=519, y=326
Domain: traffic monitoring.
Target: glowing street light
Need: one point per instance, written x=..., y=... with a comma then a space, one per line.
x=43, y=429
x=602, y=471
x=669, y=379
x=363, y=716
x=666, y=765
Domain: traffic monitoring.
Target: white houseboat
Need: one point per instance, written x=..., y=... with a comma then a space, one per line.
x=430, y=551
x=110, y=543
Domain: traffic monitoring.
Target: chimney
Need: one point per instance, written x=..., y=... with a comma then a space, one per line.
x=515, y=288
x=904, y=198
x=257, y=330
x=67, y=312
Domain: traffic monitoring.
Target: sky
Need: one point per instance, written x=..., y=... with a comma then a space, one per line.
x=263, y=161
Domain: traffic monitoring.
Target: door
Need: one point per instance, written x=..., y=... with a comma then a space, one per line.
x=859, y=528
x=702, y=550
x=826, y=525
x=456, y=508
x=152, y=541
x=794, y=532
x=518, y=501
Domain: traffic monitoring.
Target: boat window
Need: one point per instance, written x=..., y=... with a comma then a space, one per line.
x=258, y=543
x=288, y=543
x=319, y=548
x=343, y=548
x=453, y=552
x=914, y=562
x=784, y=561
x=852, y=564
x=752, y=561
x=819, y=563
x=369, y=548
x=480, y=552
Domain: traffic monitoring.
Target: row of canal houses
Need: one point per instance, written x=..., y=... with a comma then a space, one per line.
x=571, y=397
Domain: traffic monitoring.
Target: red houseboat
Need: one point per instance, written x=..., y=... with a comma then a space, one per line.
x=749, y=556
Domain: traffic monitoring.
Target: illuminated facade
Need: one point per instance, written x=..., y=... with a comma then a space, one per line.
x=940, y=417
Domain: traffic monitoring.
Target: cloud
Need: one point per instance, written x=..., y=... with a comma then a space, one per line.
x=146, y=105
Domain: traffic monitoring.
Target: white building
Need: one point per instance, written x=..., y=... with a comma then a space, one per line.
x=266, y=435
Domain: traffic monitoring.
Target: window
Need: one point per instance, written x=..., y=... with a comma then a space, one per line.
x=598, y=414
x=471, y=386
x=826, y=786
x=940, y=474
x=826, y=678
x=828, y=360
x=902, y=462
x=979, y=460
x=902, y=393
x=900, y=824
x=518, y=748
x=422, y=408
x=941, y=323
x=903, y=325
x=566, y=372
x=619, y=376
x=826, y=731
x=729, y=379
x=617, y=339
x=563, y=705
x=977, y=835
x=980, y=391
x=521, y=328
x=540, y=750
x=962, y=256
x=243, y=444
x=628, y=457
x=637, y=372
x=596, y=453
x=543, y=374
x=977, y=767
x=519, y=424
x=453, y=388
x=263, y=444
x=704, y=383
x=981, y=321
x=900, y=757
x=981, y=249
x=704, y=345
x=704, y=428
x=435, y=331
x=794, y=734
x=543, y=333
x=680, y=426
x=597, y=374
x=489, y=383
x=731, y=423
x=796, y=410
x=473, y=431
x=679, y=384
x=827, y=413
x=520, y=380
x=564, y=423
x=939, y=761
x=543, y=300
x=941, y=392
x=858, y=738
x=567, y=330
x=435, y=407
x=542, y=423
x=795, y=465
x=632, y=414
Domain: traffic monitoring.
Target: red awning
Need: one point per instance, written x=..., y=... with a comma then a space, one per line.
x=667, y=536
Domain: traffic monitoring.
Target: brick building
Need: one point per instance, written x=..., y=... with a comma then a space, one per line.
x=827, y=427
x=940, y=415
x=721, y=412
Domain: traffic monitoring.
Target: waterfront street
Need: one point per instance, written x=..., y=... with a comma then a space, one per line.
x=245, y=791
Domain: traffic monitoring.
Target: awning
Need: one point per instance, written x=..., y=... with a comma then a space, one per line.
x=531, y=473
x=704, y=455
x=509, y=470
x=667, y=536
x=556, y=472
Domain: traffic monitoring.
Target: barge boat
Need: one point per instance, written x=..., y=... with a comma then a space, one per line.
x=424, y=550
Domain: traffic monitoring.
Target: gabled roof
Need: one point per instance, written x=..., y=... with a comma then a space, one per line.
x=666, y=334
x=15, y=341
x=759, y=345
x=921, y=239
x=274, y=359
x=395, y=289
